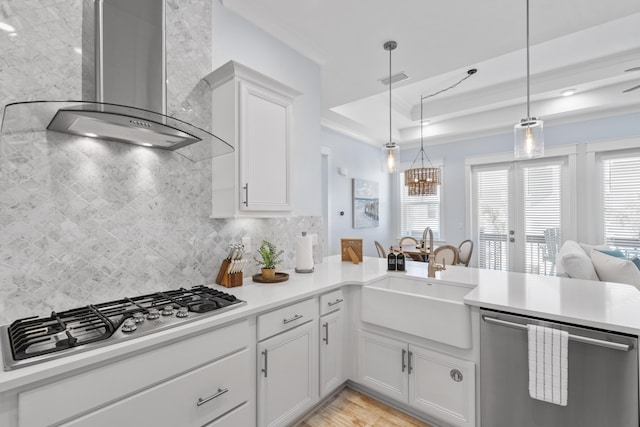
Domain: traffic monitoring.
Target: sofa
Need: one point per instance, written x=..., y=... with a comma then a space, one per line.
x=597, y=262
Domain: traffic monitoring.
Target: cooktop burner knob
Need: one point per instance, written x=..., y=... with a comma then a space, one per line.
x=138, y=317
x=129, y=325
x=182, y=312
x=152, y=314
x=167, y=310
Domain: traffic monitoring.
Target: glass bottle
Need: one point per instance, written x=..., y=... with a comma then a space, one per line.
x=400, y=260
x=391, y=260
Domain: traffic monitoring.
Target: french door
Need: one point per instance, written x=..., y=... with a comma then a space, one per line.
x=518, y=209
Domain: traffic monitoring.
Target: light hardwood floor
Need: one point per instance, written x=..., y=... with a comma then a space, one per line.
x=354, y=409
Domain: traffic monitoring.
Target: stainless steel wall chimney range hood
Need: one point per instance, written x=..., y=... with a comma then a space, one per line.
x=130, y=89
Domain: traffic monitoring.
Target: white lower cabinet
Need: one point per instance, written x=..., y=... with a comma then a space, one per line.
x=164, y=386
x=193, y=399
x=287, y=369
x=331, y=335
x=433, y=383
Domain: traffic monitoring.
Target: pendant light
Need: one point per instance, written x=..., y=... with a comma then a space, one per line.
x=529, y=137
x=390, y=150
x=422, y=181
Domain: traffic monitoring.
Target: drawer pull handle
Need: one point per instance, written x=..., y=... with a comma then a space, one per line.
x=265, y=362
x=220, y=392
x=410, y=363
x=246, y=194
x=326, y=333
x=337, y=301
x=294, y=318
x=404, y=365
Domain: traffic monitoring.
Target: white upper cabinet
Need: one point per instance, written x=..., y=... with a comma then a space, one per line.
x=253, y=113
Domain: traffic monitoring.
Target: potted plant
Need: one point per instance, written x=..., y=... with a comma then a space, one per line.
x=270, y=256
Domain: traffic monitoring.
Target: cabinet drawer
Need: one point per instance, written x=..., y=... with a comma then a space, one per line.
x=243, y=416
x=68, y=397
x=286, y=318
x=192, y=399
x=331, y=301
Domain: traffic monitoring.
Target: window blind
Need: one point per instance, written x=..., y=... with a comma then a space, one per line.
x=418, y=213
x=542, y=217
x=621, y=203
x=492, y=216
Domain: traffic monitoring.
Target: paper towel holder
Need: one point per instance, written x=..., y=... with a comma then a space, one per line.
x=304, y=270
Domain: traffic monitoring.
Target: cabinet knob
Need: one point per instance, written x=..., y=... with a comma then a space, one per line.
x=456, y=375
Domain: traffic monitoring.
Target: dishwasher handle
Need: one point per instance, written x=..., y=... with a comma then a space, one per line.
x=572, y=337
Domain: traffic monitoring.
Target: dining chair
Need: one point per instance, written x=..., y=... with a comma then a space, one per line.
x=464, y=252
x=410, y=242
x=446, y=255
x=380, y=249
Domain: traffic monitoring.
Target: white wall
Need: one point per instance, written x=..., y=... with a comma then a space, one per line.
x=453, y=156
x=362, y=161
x=234, y=38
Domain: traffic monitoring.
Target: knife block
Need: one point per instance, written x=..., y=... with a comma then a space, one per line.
x=228, y=280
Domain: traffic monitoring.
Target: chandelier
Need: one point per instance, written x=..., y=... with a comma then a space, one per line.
x=422, y=181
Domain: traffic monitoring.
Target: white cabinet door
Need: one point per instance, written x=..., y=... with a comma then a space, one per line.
x=383, y=365
x=254, y=114
x=265, y=123
x=330, y=352
x=287, y=375
x=442, y=386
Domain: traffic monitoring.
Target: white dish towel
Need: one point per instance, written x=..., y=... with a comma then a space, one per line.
x=548, y=364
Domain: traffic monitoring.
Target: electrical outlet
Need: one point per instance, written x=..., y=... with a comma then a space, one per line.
x=314, y=238
x=246, y=241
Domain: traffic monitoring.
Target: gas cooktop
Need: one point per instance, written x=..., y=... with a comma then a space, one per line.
x=38, y=339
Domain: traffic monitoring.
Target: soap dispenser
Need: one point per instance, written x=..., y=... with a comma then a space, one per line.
x=391, y=260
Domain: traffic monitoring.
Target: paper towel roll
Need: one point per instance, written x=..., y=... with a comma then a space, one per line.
x=304, y=253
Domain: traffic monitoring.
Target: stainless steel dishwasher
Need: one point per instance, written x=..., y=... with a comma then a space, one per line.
x=602, y=377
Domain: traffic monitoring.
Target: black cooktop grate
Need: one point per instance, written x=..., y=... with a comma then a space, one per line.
x=38, y=336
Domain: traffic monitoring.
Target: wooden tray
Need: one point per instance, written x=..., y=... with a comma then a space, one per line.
x=280, y=277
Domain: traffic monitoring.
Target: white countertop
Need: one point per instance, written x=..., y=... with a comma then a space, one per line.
x=260, y=297
x=597, y=304
x=604, y=305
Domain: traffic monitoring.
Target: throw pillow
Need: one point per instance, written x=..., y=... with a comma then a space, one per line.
x=572, y=261
x=587, y=248
x=614, y=269
x=612, y=252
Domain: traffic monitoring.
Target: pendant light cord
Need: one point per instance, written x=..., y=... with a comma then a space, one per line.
x=528, y=71
x=423, y=153
x=390, y=84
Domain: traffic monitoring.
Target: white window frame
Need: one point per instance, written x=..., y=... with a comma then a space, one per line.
x=595, y=153
x=569, y=178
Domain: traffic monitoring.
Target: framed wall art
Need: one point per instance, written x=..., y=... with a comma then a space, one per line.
x=365, y=203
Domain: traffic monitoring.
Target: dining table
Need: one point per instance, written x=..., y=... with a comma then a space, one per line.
x=416, y=253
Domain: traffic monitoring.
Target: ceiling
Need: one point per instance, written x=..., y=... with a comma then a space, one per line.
x=584, y=45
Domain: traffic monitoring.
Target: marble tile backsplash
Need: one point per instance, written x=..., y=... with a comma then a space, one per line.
x=84, y=220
